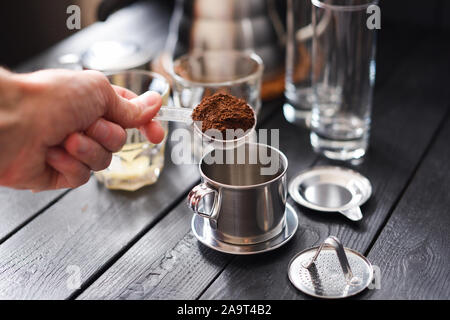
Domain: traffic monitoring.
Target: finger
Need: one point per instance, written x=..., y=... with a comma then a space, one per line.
x=73, y=172
x=135, y=112
x=151, y=99
x=87, y=151
x=57, y=181
x=124, y=92
x=154, y=132
x=110, y=135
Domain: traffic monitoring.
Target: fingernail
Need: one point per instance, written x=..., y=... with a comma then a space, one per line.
x=148, y=99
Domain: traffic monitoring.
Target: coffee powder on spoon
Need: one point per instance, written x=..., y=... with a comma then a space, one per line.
x=222, y=111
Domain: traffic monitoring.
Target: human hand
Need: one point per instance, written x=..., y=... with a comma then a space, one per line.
x=58, y=125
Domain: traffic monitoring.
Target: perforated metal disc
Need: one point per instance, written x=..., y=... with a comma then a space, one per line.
x=325, y=278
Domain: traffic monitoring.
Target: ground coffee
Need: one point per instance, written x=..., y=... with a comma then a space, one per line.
x=223, y=111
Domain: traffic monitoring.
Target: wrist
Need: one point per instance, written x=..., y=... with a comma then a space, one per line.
x=11, y=114
x=10, y=92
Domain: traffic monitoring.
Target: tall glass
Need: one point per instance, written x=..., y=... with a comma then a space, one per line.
x=140, y=162
x=298, y=85
x=202, y=74
x=343, y=78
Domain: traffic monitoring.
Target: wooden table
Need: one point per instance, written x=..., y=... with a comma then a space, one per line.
x=139, y=245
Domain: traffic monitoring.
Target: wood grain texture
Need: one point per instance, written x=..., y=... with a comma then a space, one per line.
x=168, y=262
x=123, y=248
x=160, y=264
x=413, y=250
x=407, y=112
x=86, y=229
x=18, y=206
x=137, y=275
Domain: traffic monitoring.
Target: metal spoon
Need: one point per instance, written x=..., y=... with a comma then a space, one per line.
x=177, y=114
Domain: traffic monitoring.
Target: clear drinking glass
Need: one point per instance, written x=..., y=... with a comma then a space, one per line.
x=298, y=84
x=140, y=162
x=202, y=74
x=343, y=78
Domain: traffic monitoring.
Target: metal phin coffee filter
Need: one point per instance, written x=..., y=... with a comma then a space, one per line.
x=243, y=203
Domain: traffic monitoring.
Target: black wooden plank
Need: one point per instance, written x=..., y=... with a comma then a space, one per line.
x=172, y=248
x=87, y=228
x=90, y=228
x=18, y=206
x=144, y=273
x=406, y=115
x=413, y=251
x=168, y=262
x=63, y=225
x=56, y=272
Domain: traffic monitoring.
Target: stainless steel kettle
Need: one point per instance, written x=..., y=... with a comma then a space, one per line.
x=232, y=24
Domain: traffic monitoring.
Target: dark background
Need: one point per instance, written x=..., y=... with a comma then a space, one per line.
x=29, y=26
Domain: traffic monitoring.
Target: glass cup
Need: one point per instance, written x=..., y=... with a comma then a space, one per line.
x=202, y=74
x=343, y=78
x=140, y=162
x=298, y=83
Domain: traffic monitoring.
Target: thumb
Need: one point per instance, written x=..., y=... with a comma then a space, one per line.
x=135, y=112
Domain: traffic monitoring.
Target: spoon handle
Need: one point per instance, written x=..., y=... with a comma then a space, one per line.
x=178, y=114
